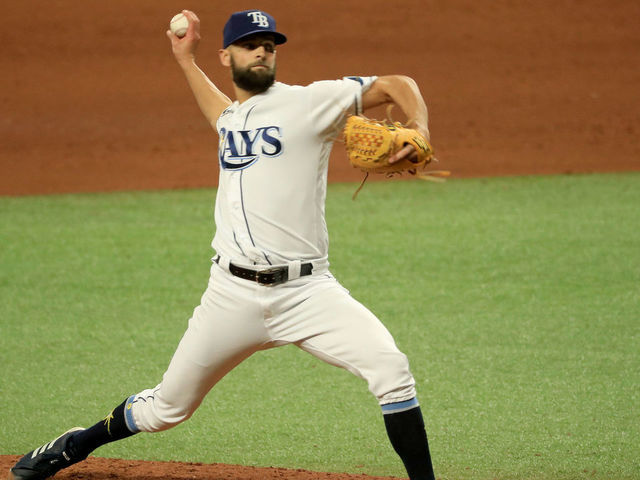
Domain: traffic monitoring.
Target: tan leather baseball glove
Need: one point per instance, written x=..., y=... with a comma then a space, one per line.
x=370, y=144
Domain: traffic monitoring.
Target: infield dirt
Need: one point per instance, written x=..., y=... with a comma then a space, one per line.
x=513, y=88
x=109, y=468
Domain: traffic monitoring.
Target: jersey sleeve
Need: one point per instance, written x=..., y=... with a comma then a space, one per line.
x=332, y=100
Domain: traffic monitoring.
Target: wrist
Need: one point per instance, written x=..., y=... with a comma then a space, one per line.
x=187, y=61
x=422, y=128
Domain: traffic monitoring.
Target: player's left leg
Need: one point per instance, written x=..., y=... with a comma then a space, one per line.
x=405, y=427
x=324, y=320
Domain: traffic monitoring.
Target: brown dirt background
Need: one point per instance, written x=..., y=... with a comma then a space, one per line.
x=91, y=100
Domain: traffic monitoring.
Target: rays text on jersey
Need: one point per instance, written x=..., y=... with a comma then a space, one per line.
x=241, y=148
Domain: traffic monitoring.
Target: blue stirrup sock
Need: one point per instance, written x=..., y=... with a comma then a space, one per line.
x=405, y=427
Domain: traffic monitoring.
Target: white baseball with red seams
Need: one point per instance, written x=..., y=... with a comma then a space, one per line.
x=274, y=152
x=179, y=25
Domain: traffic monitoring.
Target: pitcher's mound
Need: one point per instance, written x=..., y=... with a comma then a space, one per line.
x=115, y=469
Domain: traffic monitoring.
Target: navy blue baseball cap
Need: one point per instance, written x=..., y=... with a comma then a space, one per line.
x=248, y=22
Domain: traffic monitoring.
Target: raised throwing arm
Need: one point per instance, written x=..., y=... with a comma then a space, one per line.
x=210, y=99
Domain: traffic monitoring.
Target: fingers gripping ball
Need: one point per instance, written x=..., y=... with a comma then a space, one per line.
x=370, y=144
x=179, y=25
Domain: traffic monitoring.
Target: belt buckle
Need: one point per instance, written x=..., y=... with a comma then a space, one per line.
x=272, y=276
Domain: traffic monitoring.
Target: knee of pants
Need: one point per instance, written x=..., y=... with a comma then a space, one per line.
x=151, y=412
x=391, y=381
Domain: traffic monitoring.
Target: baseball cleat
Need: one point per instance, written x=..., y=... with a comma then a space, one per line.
x=47, y=460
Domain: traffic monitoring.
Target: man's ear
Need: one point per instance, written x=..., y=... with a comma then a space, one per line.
x=225, y=57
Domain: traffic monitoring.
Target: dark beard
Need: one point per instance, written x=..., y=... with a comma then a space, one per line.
x=253, y=81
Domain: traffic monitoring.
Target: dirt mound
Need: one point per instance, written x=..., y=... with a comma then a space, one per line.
x=109, y=469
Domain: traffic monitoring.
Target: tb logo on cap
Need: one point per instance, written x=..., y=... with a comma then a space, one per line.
x=259, y=19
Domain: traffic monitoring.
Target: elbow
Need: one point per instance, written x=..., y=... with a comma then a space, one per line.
x=404, y=79
x=392, y=84
x=398, y=80
x=388, y=89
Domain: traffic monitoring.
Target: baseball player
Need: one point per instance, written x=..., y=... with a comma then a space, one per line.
x=270, y=284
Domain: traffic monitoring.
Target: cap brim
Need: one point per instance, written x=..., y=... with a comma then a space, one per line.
x=278, y=37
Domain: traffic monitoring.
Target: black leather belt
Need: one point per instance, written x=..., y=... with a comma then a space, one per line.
x=270, y=276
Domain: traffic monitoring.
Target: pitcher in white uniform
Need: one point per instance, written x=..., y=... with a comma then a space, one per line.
x=270, y=282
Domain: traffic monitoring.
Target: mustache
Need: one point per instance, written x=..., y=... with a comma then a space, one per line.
x=258, y=64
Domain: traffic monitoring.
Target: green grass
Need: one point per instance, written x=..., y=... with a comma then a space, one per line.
x=516, y=299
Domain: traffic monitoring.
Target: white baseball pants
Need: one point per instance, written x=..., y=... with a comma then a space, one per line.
x=237, y=318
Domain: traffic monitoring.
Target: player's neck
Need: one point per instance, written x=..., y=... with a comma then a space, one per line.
x=244, y=95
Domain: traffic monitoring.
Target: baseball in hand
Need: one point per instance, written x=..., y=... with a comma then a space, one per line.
x=179, y=25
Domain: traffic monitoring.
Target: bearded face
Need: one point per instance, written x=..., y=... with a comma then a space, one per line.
x=255, y=78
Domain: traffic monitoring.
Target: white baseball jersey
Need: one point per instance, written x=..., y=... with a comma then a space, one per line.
x=270, y=142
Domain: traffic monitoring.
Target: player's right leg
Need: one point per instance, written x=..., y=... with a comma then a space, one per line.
x=225, y=329
x=47, y=460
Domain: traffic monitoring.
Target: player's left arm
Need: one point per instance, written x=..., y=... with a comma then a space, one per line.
x=402, y=91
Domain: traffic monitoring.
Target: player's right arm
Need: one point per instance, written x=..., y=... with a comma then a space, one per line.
x=210, y=99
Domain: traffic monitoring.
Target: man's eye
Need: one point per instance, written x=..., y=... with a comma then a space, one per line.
x=268, y=47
